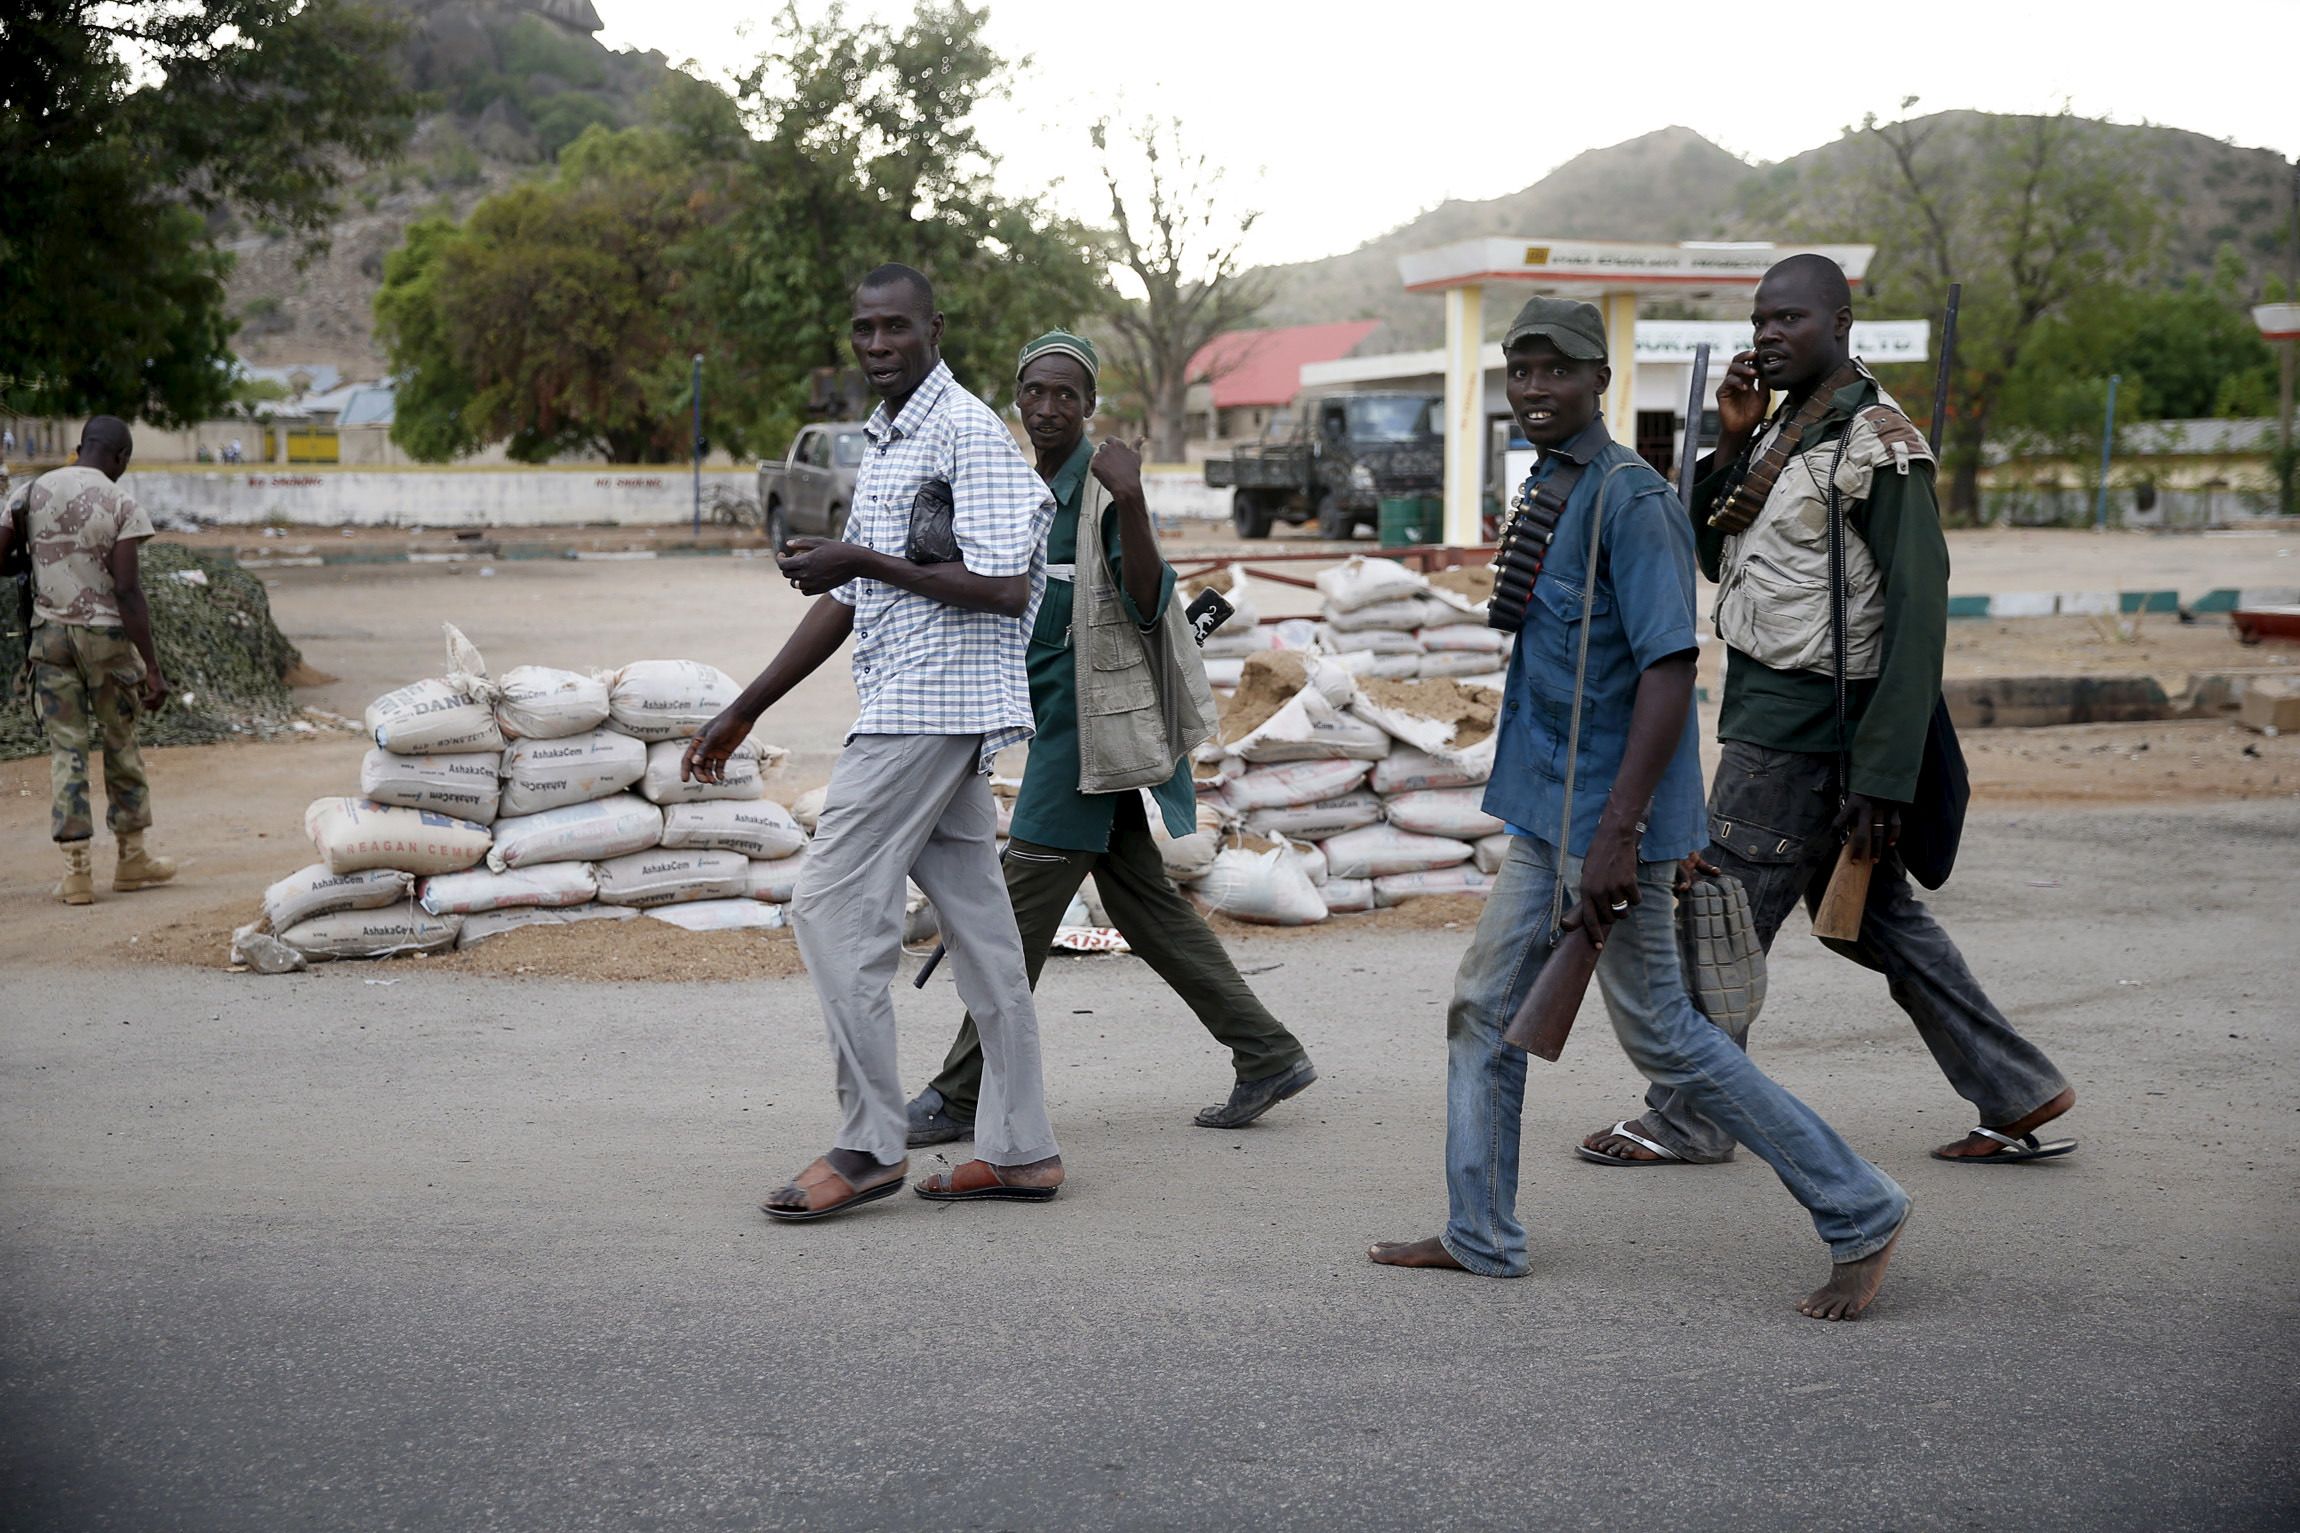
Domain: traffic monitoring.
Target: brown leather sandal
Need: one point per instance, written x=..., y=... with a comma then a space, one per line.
x=978, y=1181
x=822, y=1177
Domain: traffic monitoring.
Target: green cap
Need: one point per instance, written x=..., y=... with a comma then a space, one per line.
x=1573, y=327
x=1062, y=343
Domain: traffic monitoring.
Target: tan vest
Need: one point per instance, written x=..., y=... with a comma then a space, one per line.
x=1143, y=701
x=1773, y=579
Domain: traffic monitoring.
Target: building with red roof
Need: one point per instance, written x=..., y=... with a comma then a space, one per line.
x=1240, y=379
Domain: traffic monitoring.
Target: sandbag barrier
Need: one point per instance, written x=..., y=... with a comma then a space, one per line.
x=548, y=797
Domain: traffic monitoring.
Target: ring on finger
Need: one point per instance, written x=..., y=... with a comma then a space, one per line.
x=1619, y=906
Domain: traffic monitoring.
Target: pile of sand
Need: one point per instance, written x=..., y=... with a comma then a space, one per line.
x=1470, y=708
x=1270, y=680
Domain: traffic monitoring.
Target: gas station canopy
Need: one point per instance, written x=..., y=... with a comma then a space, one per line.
x=1608, y=273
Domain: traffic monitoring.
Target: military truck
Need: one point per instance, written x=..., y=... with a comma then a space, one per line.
x=810, y=490
x=1334, y=463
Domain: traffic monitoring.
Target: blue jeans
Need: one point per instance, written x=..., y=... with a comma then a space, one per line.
x=1855, y=1207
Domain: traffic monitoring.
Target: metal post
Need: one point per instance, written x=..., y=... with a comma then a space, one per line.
x=697, y=387
x=2288, y=470
x=2107, y=444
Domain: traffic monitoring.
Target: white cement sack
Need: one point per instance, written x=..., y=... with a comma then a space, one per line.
x=1489, y=852
x=1265, y=887
x=724, y=916
x=403, y=928
x=1317, y=820
x=540, y=703
x=1491, y=680
x=1397, y=887
x=551, y=774
x=1380, y=641
x=1395, y=667
x=774, y=881
x=441, y=715
x=1295, y=782
x=1295, y=632
x=762, y=829
x=668, y=699
x=589, y=832
x=807, y=808
x=1462, y=663
x=462, y=785
x=494, y=923
x=552, y=884
x=353, y=835
x=1348, y=896
x=1398, y=616
x=1468, y=634
x=1380, y=850
x=1438, y=613
x=659, y=877
x=1224, y=675
x=1311, y=859
x=1455, y=812
x=1235, y=641
x=308, y=893
x=1309, y=728
x=1189, y=858
x=1360, y=582
x=1406, y=770
x=745, y=774
x=1432, y=735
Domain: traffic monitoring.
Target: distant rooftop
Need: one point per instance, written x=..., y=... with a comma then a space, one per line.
x=1264, y=367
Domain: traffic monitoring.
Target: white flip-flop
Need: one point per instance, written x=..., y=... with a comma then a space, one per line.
x=1622, y=1130
x=2024, y=1147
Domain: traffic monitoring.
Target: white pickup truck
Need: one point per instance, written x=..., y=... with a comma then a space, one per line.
x=810, y=490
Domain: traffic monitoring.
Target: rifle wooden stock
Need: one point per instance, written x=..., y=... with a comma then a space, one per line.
x=1839, y=915
x=1545, y=1018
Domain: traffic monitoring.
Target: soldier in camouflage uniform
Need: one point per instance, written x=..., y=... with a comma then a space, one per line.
x=93, y=665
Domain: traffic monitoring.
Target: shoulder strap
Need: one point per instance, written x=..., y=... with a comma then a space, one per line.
x=1738, y=507
x=1580, y=682
x=1838, y=623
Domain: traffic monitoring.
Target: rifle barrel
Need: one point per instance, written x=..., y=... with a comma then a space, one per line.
x=1691, y=451
x=1948, y=360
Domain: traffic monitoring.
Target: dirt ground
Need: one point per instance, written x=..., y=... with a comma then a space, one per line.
x=232, y=813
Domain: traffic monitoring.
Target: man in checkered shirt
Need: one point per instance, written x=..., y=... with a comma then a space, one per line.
x=938, y=664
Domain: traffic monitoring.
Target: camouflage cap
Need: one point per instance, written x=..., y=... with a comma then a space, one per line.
x=1573, y=327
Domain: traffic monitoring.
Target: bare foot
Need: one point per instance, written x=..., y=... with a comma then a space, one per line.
x=1414, y=1253
x=1852, y=1285
x=839, y=1179
x=1035, y=1173
x=1979, y=1147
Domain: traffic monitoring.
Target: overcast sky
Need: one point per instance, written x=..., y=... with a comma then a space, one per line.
x=1341, y=120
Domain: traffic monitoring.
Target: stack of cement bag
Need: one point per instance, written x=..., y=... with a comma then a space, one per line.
x=1327, y=792
x=1377, y=618
x=551, y=796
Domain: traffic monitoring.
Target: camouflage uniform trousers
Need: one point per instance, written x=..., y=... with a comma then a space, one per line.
x=85, y=685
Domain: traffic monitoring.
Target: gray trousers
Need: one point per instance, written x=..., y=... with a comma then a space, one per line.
x=915, y=806
x=1770, y=814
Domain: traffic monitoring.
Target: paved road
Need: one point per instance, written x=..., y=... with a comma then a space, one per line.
x=327, y=1252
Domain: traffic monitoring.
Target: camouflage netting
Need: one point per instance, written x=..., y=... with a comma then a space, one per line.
x=217, y=643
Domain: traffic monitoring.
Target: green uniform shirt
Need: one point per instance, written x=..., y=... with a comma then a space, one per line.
x=1050, y=810
x=1890, y=713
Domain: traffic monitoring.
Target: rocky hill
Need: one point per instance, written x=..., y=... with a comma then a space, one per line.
x=1675, y=185
x=509, y=82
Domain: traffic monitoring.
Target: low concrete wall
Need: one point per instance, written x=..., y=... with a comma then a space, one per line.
x=430, y=497
x=510, y=497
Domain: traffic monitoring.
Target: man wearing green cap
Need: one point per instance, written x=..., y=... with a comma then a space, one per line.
x=1597, y=772
x=1106, y=645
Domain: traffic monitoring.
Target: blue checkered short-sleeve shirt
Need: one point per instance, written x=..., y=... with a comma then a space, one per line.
x=921, y=667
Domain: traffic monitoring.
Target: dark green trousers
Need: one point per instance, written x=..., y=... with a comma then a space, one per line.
x=1158, y=922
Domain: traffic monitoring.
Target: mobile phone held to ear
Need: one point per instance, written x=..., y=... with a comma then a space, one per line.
x=1208, y=613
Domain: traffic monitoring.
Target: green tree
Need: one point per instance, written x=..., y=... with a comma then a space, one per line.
x=114, y=181
x=557, y=317
x=2036, y=216
x=857, y=145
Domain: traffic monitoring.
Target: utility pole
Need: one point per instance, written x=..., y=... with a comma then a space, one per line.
x=2107, y=444
x=696, y=388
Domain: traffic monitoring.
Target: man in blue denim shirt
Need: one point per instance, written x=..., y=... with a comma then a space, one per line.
x=1635, y=810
